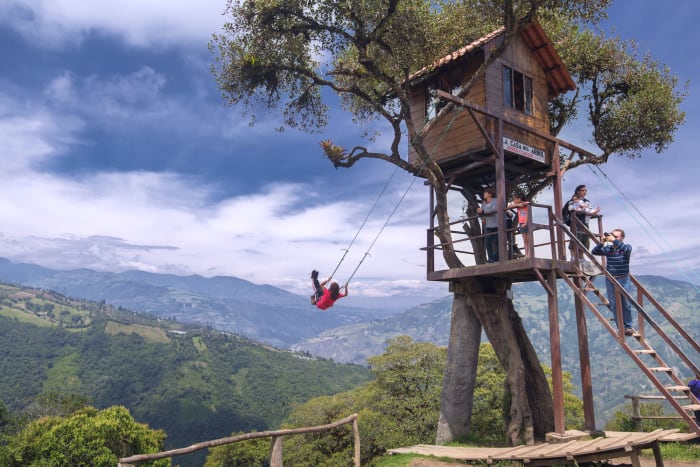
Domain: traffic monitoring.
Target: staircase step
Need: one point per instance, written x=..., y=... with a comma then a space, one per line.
x=645, y=351
x=692, y=407
x=677, y=388
x=661, y=368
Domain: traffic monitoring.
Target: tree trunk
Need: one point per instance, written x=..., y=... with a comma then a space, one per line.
x=460, y=372
x=531, y=413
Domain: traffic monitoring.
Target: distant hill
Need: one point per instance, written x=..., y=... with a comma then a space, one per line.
x=614, y=374
x=285, y=320
x=195, y=383
x=261, y=312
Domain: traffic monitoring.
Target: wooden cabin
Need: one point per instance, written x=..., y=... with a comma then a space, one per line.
x=515, y=88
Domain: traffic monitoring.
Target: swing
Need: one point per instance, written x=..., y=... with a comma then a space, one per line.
x=396, y=167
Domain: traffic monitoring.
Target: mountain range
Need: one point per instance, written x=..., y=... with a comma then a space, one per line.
x=350, y=335
x=260, y=312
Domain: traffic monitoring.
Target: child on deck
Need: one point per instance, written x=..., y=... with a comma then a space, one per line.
x=581, y=206
x=323, y=297
x=520, y=203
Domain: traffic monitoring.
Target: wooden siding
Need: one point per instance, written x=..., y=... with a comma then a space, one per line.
x=463, y=136
x=519, y=57
x=456, y=133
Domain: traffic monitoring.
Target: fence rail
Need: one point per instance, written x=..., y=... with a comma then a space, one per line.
x=275, y=444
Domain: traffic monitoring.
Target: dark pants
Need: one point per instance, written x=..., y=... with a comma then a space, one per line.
x=318, y=290
x=583, y=238
x=626, y=283
x=491, y=243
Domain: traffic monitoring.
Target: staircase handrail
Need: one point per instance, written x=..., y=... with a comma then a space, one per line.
x=666, y=314
x=642, y=312
x=662, y=389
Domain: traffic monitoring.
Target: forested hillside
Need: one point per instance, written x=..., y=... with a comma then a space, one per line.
x=195, y=383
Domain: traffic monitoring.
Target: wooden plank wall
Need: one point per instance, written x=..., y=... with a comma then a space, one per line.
x=463, y=135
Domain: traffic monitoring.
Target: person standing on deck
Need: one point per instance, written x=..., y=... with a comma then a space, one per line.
x=489, y=209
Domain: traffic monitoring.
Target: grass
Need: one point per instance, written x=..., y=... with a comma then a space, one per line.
x=680, y=451
x=199, y=343
x=404, y=460
x=149, y=333
x=24, y=317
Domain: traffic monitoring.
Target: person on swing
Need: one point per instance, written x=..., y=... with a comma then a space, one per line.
x=323, y=297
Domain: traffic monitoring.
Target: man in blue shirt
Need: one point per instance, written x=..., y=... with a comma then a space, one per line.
x=617, y=254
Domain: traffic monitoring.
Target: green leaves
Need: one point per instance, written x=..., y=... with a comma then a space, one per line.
x=401, y=406
x=87, y=438
x=633, y=102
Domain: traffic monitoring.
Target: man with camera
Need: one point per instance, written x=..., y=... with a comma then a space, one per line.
x=617, y=254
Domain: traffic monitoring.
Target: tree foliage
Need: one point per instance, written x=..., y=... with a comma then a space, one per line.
x=250, y=453
x=631, y=102
x=622, y=419
x=399, y=407
x=88, y=438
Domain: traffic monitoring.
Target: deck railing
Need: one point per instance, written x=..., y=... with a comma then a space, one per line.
x=543, y=239
x=275, y=444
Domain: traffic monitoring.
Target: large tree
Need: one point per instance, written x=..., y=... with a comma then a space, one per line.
x=282, y=54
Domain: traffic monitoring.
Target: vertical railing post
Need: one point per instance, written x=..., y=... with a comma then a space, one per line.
x=430, y=244
x=276, y=451
x=356, y=439
x=636, y=414
x=640, y=317
x=618, y=310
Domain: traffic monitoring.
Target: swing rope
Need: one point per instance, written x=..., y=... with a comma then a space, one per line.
x=405, y=193
x=347, y=250
x=659, y=237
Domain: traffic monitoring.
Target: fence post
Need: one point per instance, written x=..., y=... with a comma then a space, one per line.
x=636, y=414
x=276, y=451
x=356, y=436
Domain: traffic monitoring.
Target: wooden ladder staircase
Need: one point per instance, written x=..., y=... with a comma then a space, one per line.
x=637, y=346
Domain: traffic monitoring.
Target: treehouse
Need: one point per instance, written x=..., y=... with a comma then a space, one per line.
x=498, y=136
x=507, y=108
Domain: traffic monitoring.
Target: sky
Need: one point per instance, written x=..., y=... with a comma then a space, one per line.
x=118, y=152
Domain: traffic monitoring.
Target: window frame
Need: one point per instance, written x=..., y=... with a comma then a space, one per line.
x=518, y=90
x=433, y=104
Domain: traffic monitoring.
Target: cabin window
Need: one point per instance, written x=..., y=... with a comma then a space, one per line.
x=517, y=90
x=434, y=103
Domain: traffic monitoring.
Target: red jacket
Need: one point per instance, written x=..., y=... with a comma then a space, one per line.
x=326, y=301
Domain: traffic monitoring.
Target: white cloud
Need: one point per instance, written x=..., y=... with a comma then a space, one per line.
x=57, y=23
x=163, y=222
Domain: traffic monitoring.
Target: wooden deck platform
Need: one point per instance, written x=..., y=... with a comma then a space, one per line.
x=613, y=446
x=518, y=270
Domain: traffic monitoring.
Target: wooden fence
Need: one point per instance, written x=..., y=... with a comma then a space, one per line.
x=275, y=443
